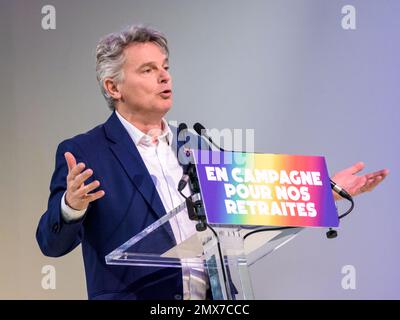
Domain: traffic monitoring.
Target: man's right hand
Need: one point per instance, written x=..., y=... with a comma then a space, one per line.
x=77, y=196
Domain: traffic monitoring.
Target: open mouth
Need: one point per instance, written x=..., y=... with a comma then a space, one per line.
x=166, y=93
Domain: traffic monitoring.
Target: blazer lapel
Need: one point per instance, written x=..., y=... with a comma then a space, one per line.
x=129, y=157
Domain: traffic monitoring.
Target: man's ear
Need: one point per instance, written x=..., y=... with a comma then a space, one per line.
x=112, y=88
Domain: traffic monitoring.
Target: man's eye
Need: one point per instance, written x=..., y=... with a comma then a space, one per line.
x=147, y=70
x=166, y=68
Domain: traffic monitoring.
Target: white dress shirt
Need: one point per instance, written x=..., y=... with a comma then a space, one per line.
x=165, y=171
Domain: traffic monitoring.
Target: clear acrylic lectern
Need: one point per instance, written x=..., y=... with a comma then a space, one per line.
x=225, y=260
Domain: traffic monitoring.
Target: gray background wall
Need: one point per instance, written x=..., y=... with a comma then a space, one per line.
x=285, y=68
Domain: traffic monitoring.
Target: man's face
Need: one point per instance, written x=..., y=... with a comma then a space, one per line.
x=146, y=85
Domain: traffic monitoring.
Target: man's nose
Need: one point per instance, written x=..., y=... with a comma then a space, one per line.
x=165, y=77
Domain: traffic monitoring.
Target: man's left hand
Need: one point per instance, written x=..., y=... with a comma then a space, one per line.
x=353, y=184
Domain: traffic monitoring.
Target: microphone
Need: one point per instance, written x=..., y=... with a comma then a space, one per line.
x=193, y=203
x=339, y=190
x=202, y=132
x=331, y=234
x=182, y=128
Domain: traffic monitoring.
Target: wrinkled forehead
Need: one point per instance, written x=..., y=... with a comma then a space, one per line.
x=140, y=53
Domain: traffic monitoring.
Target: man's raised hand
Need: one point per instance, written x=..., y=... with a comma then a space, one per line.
x=355, y=184
x=78, y=194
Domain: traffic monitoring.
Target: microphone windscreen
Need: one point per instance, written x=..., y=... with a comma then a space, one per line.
x=182, y=126
x=198, y=128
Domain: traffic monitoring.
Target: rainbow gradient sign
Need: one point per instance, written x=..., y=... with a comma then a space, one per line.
x=265, y=189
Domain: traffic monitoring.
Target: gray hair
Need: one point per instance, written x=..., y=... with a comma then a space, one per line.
x=110, y=53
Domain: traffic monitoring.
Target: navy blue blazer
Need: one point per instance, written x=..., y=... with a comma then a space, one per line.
x=130, y=204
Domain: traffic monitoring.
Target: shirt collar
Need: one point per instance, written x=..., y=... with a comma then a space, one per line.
x=140, y=137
